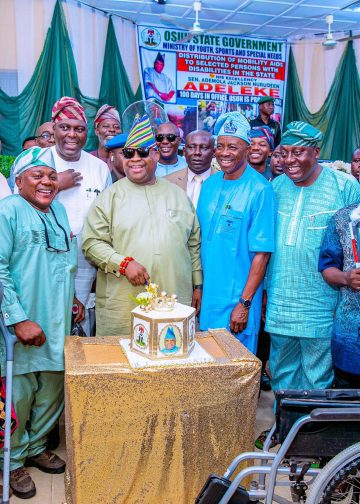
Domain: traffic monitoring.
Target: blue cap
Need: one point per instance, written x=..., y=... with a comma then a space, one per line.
x=117, y=141
x=233, y=124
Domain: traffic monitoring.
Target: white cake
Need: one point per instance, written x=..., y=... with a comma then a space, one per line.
x=163, y=334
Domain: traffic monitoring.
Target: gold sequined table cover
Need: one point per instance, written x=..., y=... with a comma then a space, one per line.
x=153, y=435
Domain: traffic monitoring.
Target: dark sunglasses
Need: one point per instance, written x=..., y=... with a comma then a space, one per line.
x=171, y=137
x=46, y=136
x=142, y=152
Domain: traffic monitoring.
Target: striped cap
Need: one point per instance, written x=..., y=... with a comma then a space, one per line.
x=30, y=158
x=106, y=112
x=302, y=134
x=141, y=133
x=68, y=108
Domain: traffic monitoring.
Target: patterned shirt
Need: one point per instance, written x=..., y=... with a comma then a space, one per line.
x=336, y=251
x=300, y=302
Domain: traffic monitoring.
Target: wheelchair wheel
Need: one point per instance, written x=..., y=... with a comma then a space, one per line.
x=339, y=481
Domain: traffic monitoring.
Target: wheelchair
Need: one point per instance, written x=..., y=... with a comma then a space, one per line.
x=318, y=433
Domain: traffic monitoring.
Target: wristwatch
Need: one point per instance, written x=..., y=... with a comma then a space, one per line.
x=245, y=302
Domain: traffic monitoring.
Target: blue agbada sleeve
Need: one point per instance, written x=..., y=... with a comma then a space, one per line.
x=331, y=252
x=261, y=234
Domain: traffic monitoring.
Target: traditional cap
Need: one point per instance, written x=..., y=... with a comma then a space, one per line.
x=68, y=108
x=35, y=156
x=170, y=334
x=265, y=99
x=263, y=132
x=117, y=141
x=106, y=112
x=302, y=134
x=232, y=124
x=141, y=133
x=160, y=57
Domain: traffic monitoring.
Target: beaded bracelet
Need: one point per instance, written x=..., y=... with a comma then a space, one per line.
x=124, y=263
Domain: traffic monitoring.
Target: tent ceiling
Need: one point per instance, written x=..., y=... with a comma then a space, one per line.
x=276, y=18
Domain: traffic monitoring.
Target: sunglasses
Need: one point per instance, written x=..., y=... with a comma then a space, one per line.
x=171, y=137
x=129, y=153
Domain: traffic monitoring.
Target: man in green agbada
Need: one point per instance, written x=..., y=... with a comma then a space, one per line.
x=141, y=227
x=37, y=265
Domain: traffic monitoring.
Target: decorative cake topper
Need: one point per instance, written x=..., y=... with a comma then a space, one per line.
x=150, y=300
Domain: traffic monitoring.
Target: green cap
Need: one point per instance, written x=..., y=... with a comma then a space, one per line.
x=265, y=99
x=302, y=134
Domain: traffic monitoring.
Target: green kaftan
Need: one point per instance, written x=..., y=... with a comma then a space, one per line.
x=155, y=224
x=38, y=284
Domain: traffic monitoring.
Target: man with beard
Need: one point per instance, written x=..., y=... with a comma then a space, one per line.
x=236, y=211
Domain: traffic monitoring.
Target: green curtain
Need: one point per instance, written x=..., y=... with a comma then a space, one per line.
x=338, y=117
x=55, y=75
x=115, y=87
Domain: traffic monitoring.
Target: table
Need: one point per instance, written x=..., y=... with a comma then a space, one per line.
x=153, y=435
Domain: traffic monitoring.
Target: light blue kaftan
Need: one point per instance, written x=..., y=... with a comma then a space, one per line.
x=300, y=302
x=237, y=220
x=38, y=284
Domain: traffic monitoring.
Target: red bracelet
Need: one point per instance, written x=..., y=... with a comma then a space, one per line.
x=124, y=263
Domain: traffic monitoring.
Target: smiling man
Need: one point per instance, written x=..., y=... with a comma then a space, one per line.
x=82, y=177
x=236, y=212
x=106, y=125
x=140, y=228
x=157, y=84
x=261, y=148
x=301, y=306
x=37, y=266
x=168, y=140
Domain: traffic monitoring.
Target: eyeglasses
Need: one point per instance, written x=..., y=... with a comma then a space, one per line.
x=46, y=135
x=142, y=152
x=171, y=137
x=48, y=246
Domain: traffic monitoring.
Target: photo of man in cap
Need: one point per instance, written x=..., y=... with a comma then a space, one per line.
x=157, y=84
x=266, y=110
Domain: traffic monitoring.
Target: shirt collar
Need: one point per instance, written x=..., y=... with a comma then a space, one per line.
x=203, y=175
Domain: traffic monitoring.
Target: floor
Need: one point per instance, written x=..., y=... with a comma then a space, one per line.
x=50, y=489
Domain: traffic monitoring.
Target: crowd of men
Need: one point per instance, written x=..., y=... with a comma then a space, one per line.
x=248, y=227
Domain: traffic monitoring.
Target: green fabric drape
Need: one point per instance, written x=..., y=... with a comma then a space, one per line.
x=55, y=75
x=115, y=87
x=338, y=117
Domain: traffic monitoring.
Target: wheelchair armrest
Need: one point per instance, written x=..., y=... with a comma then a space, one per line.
x=334, y=414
